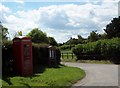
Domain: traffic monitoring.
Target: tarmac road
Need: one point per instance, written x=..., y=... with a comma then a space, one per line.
x=97, y=74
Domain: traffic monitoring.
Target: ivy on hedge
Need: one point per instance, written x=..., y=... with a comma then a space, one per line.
x=107, y=49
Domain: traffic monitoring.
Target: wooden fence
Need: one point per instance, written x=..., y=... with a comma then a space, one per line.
x=68, y=55
x=82, y=56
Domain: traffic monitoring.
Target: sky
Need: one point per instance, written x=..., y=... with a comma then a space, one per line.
x=59, y=19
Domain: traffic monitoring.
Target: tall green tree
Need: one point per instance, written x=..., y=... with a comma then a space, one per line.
x=113, y=28
x=80, y=39
x=72, y=41
x=93, y=36
x=52, y=41
x=38, y=36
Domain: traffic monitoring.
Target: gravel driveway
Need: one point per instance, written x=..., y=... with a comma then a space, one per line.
x=97, y=74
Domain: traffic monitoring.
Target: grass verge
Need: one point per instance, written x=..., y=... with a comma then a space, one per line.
x=57, y=77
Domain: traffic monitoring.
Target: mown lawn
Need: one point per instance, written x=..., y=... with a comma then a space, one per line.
x=57, y=77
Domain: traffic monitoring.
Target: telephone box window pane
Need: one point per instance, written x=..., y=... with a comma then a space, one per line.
x=26, y=50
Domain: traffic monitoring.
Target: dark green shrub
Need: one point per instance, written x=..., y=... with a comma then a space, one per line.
x=7, y=58
x=77, y=50
x=108, y=49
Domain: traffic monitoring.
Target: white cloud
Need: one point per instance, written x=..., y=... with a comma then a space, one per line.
x=20, y=24
x=4, y=9
x=64, y=21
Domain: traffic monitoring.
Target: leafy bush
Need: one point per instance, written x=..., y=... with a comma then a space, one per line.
x=107, y=49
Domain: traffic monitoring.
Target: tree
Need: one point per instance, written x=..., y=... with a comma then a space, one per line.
x=38, y=36
x=113, y=28
x=93, y=36
x=80, y=39
x=52, y=41
x=60, y=44
x=3, y=33
x=20, y=33
x=103, y=36
x=72, y=41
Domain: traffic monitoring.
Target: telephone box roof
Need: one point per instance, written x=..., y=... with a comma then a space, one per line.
x=22, y=38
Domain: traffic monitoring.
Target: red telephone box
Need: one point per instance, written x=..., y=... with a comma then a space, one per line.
x=22, y=52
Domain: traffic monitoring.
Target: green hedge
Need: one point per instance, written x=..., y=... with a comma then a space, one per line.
x=7, y=58
x=108, y=49
x=40, y=56
x=66, y=47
